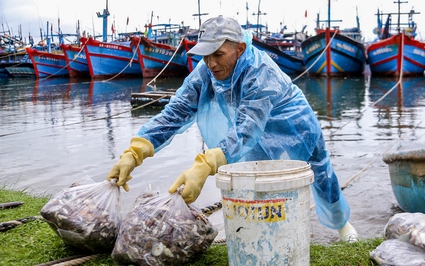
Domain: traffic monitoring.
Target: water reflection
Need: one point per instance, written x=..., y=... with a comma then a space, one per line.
x=14, y=90
x=332, y=96
x=410, y=92
x=396, y=105
x=94, y=92
x=167, y=85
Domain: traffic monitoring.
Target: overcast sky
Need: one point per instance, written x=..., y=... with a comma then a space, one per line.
x=32, y=15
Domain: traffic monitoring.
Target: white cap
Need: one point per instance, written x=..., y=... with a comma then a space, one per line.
x=214, y=32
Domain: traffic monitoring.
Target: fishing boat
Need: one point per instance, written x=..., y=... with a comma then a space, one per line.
x=290, y=64
x=12, y=48
x=396, y=52
x=282, y=48
x=161, y=50
x=192, y=61
x=156, y=58
x=48, y=64
x=47, y=56
x=108, y=59
x=333, y=51
x=14, y=60
x=288, y=42
x=76, y=61
x=75, y=57
x=407, y=172
x=17, y=68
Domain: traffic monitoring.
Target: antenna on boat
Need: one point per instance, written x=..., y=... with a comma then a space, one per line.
x=199, y=14
x=247, y=10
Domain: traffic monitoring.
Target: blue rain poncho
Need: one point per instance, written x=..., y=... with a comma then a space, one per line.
x=257, y=113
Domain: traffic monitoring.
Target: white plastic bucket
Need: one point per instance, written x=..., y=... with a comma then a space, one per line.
x=266, y=209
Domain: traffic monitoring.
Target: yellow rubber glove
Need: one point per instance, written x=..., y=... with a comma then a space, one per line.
x=194, y=178
x=139, y=150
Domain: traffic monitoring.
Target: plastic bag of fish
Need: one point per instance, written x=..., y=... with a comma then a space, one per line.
x=397, y=252
x=405, y=241
x=162, y=230
x=407, y=227
x=86, y=215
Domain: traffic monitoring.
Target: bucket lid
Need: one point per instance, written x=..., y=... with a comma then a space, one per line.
x=266, y=175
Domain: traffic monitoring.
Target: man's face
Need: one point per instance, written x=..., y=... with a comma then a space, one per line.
x=222, y=62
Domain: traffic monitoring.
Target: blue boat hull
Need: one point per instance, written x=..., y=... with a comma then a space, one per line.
x=407, y=173
x=160, y=59
x=109, y=59
x=397, y=55
x=289, y=64
x=48, y=64
x=344, y=56
x=76, y=61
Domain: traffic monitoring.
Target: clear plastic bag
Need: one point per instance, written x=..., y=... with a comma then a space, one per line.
x=86, y=215
x=162, y=230
x=394, y=252
x=408, y=227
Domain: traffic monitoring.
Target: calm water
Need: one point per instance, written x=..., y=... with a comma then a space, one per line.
x=53, y=132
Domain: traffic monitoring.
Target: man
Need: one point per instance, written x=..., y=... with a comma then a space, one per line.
x=246, y=109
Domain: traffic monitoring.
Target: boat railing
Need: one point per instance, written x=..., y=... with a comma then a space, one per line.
x=389, y=28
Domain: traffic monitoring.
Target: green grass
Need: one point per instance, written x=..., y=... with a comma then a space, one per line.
x=35, y=242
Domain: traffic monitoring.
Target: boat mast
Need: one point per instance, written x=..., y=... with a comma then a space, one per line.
x=398, y=18
x=329, y=14
x=48, y=39
x=258, y=18
x=105, y=21
x=328, y=21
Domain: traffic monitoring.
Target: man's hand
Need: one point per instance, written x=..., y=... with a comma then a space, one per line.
x=194, y=178
x=139, y=150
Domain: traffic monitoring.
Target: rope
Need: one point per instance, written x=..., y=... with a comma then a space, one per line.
x=70, y=261
x=129, y=63
x=317, y=59
x=208, y=210
x=4, y=226
x=169, y=61
x=11, y=204
x=219, y=242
